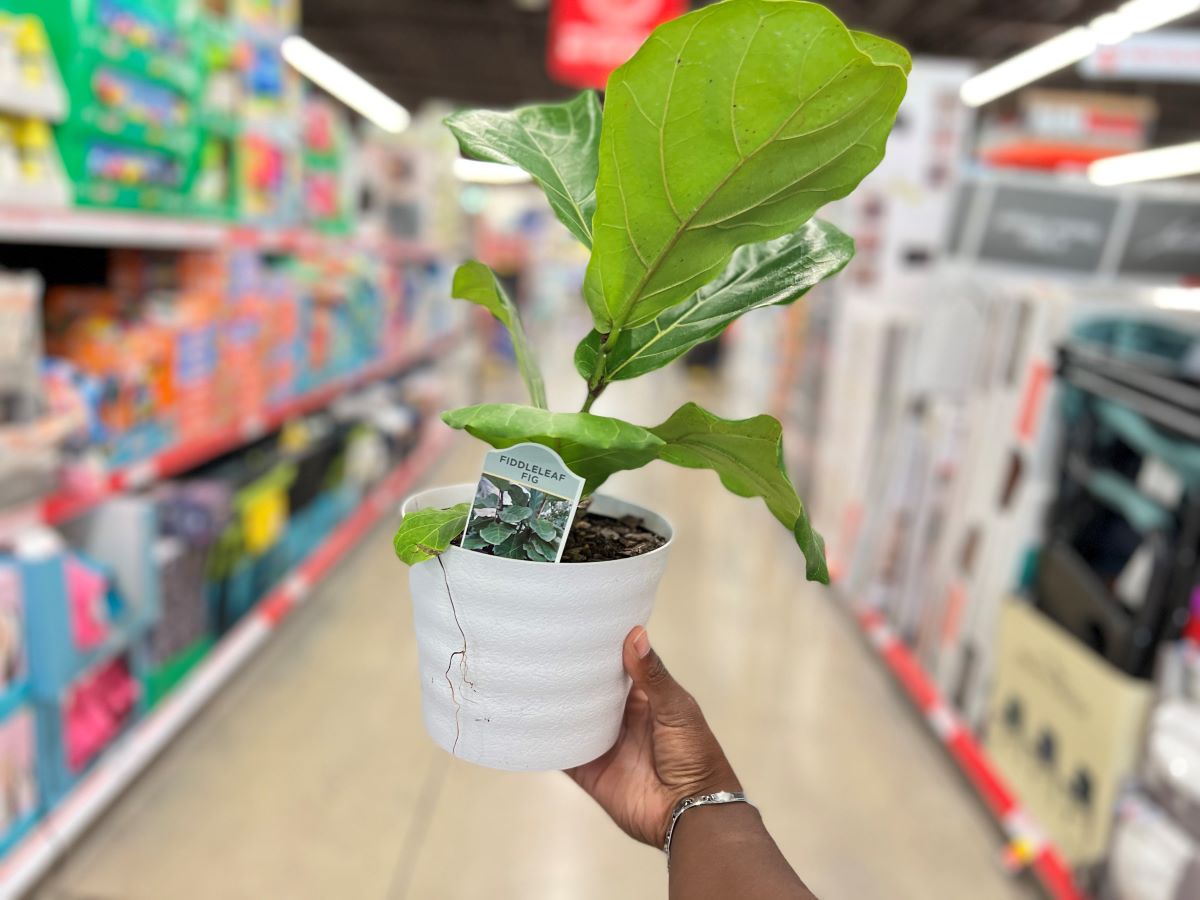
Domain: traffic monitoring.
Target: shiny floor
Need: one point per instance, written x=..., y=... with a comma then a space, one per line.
x=310, y=776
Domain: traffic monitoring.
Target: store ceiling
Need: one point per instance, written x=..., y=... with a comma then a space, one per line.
x=493, y=51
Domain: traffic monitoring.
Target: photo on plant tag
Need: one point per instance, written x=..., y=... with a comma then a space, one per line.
x=517, y=521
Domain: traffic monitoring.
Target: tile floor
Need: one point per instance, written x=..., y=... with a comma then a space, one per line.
x=310, y=776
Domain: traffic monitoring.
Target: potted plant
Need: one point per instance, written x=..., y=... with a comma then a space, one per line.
x=694, y=188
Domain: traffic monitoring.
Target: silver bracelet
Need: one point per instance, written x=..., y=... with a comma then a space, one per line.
x=699, y=800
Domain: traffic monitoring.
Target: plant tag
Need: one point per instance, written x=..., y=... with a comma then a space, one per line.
x=524, y=505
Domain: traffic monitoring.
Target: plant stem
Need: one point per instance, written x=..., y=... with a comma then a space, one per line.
x=597, y=384
x=592, y=397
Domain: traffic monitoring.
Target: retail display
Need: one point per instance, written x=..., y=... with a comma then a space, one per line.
x=228, y=348
x=649, y=277
x=179, y=427
x=954, y=471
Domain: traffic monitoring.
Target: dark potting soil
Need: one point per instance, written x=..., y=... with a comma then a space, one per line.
x=595, y=538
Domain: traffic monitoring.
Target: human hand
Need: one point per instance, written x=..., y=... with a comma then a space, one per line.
x=665, y=751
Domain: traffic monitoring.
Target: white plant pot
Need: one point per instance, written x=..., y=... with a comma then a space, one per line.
x=523, y=670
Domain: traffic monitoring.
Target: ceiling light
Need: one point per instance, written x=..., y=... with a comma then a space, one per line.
x=352, y=89
x=1036, y=62
x=1147, y=165
x=1145, y=15
x=1185, y=299
x=479, y=172
x=1070, y=47
x=1111, y=28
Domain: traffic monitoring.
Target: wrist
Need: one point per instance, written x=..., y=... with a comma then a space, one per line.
x=713, y=826
x=721, y=778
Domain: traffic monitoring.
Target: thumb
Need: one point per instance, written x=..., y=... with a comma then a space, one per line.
x=668, y=700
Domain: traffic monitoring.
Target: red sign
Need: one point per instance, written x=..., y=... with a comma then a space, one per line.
x=590, y=38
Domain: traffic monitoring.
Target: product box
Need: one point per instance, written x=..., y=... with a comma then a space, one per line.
x=19, y=792
x=1065, y=728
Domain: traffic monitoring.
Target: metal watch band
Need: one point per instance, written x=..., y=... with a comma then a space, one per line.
x=687, y=803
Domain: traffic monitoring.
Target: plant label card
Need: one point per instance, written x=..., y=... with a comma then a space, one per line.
x=524, y=505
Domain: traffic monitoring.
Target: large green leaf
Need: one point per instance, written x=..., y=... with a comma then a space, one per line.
x=555, y=143
x=770, y=273
x=748, y=456
x=731, y=125
x=476, y=283
x=545, y=530
x=497, y=532
x=593, y=447
x=515, y=515
x=425, y=533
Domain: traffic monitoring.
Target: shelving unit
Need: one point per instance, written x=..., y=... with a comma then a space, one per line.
x=100, y=228
x=133, y=752
x=65, y=505
x=1028, y=847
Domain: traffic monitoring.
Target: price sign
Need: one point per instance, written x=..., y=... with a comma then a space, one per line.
x=590, y=38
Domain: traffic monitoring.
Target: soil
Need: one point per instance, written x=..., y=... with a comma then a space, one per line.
x=596, y=538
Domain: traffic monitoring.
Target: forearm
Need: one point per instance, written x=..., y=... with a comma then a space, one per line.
x=719, y=852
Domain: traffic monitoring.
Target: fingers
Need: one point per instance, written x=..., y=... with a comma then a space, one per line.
x=650, y=676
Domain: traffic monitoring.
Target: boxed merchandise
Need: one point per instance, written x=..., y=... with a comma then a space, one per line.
x=96, y=591
x=14, y=663
x=97, y=708
x=1152, y=858
x=130, y=139
x=29, y=81
x=31, y=168
x=1065, y=728
x=20, y=797
x=132, y=360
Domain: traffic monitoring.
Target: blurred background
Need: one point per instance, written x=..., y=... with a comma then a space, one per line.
x=227, y=231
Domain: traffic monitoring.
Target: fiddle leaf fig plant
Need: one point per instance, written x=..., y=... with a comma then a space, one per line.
x=695, y=189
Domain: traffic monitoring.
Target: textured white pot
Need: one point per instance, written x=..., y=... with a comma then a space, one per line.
x=523, y=670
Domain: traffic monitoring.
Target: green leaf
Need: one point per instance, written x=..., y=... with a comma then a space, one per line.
x=771, y=273
x=491, y=501
x=812, y=545
x=747, y=454
x=515, y=515
x=549, y=551
x=424, y=533
x=593, y=447
x=518, y=495
x=555, y=143
x=474, y=542
x=731, y=125
x=545, y=530
x=883, y=51
x=513, y=548
x=497, y=533
x=476, y=283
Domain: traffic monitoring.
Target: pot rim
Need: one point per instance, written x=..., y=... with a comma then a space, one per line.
x=500, y=560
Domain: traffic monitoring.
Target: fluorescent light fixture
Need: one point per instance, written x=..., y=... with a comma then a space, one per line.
x=1036, y=62
x=1147, y=165
x=478, y=172
x=1177, y=298
x=1068, y=48
x=1137, y=16
x=352, y=89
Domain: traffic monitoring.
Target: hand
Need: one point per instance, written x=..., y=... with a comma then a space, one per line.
x=665, y=751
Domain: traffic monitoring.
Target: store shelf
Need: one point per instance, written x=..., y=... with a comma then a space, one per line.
x=25, y=224
x=1028, y=847
x=84, y=228
x=133, y=752
x=66, y=505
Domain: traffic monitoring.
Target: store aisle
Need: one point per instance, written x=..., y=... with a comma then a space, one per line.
x=310, y=776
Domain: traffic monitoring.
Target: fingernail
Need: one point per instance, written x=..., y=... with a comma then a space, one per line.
x=641, y=643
